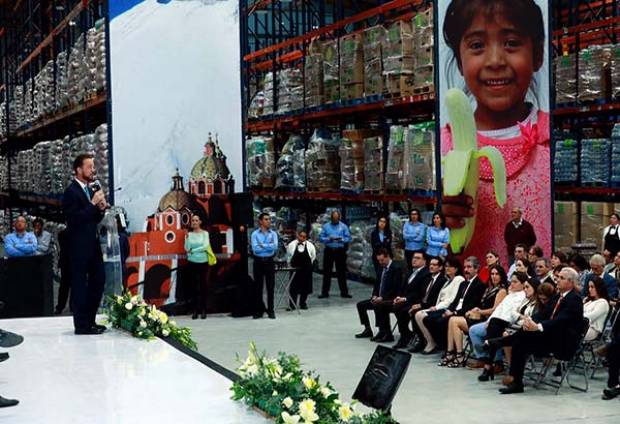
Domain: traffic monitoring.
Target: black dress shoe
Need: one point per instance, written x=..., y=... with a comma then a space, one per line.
x=195, y=315
x=4, y=356
x=402, y=343
x=512, y=388
x=346, y=295
x=377, y=336
x=4, y=402
x=203, y=315
x=303, y=306
x=612, y=393
x=8, y=339
x=57, y=311
x=417, y=348
x=323, y=296
x=271, y=315
x=88, y=331
x=103, y=328
x=387, y=338
x=366, y=334
x=257, y=316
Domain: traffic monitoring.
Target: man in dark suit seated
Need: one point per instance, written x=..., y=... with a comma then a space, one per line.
x=613, y=357
x=558, y=332
x=83, y=209
x=384, y=292
x=468, y=297
x=412, y=293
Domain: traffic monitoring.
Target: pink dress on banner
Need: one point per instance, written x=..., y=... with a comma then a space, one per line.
x=528, y=172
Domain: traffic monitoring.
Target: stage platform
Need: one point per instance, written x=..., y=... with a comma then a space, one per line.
x=111, y=378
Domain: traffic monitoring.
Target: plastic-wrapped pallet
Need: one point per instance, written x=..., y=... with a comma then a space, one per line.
x=62, y=80
x=291, y=168
x=323, y=161
x=3, y=118
x=352, y=164
x=566, y=224
x=76, y=76
x=374, y=37
x=16, y=109
x=593, y=62
x=260, y=105
x=615, y=72
x=394, y=170
x=360, y=250
x=313, y=75
x=90, y=63
x=420, y=157
x=351, y=66
x=566, y=79
x=423, y=42
x=315, y=232
x=268, y=89
x=290, y=90
x=261, y=162
x=28, y=103
x=595, y=161
x=373, y=164
x=4, y=174
x=102, y=155
x=396, y=225
x=615, y=155
x=565, y=161
x=398, y=59
x=331, y=71
x=44, y=91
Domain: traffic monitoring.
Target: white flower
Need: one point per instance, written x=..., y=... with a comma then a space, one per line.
x=129, y=306
x=142, y=312
x=306, y=410
x=163, y=318
x=290, y=419
x=119, y=300
x=274, y=393
x=288, y=376
x=139, y=333
x=134, y=300
x=142, y=324
x=173, y=323
x=252, y=370
x=309, y=383
x=287, y=402
x=326, y=392
x=165, y=332
x=345, y=413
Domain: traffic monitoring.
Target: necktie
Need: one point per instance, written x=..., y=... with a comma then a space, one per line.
x=428, y=289
x=382, y=286
x=556, y=307
x=87, y=192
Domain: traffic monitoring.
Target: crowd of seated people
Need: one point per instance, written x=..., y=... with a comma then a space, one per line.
x=537, y=308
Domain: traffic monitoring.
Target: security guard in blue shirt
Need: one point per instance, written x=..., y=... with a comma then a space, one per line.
x=336, y=236
x=264, y=247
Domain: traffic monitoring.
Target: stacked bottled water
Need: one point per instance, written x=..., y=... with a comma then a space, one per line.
x=565, y=162
x=595, y=161
x=615, y=153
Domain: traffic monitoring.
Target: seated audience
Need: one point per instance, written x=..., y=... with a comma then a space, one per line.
x=20, y=242
x=454, y=275
x=520, y=253
x=534, y=254
x=597, y=265
x=556, y=271
x=460, y=325
x=558, y=258
x=523, y=265
x=384, y=293
x=381, y=237
x=558, y=331
x=613, y=358
x=469, y=296
x=579, y=264
x=596, y=307
x=43, y=237
x=543, y=271
x=491, y=258
x=431, y=296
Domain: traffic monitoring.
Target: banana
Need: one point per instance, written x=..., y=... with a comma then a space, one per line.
x=461, y=165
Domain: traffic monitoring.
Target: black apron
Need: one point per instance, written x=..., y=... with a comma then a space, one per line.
x=302, y=282
x=612, y=241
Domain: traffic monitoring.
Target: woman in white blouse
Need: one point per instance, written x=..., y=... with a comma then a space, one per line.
x=596, y=307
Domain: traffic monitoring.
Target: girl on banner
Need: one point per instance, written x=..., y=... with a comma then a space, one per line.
x=498, y=46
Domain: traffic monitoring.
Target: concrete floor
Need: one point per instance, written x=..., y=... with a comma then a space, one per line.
x=323, y=338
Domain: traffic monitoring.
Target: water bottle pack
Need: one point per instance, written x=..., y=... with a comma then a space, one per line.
x=595, y=161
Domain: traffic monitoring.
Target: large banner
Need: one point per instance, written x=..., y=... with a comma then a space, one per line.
x=176, y=126
x=494, y=62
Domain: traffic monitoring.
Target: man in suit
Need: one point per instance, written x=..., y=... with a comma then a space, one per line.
x=597, y=267
x=558, y=332
x=436, y=283
x=384, y=292
x=83, y=209
x=468, y=297
x=613, y=357
x=412, y=293
x=544, y=271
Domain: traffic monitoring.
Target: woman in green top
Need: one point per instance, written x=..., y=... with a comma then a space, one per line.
x=196, y=245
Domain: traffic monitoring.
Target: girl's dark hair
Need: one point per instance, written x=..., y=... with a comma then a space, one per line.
x=454, y=262
x=419, y=214
x=387, y=223
x=616, y=215
x=525, y=15
x=443, y=219
x=579, y=261
x=600, y=286
x=525, y=263
x=560, y=255
x=503, y=279
x=521, y=276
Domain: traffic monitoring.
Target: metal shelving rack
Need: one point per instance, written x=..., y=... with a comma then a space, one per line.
x=276, y=34
x=32, y=32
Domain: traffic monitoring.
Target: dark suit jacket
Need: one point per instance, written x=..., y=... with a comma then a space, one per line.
x=82, y=218
x=472, y=297
x=393, y=282
x=433, y=293
x=563, y=331
x=415, y=291
x=376, y=242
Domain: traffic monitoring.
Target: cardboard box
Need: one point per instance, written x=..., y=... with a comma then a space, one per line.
x=313, y=79
x=331, y=91
x=352, y=91
x=423, y=56
x=594, y=218
x=424, y=77
x=352, y=72
x=402, y=85
x=374, y=38
x=399, y=40
x=566, y=224
x=373, y=78
x=399, y=65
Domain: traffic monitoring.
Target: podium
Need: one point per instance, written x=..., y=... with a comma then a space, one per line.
x=26, y=286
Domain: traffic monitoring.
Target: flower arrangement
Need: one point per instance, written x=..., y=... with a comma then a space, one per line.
x=144, y=321
x=280, y=388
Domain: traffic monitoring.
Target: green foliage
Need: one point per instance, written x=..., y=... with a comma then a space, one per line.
x=133, y=314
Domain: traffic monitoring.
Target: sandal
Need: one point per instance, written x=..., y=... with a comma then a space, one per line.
x=447, y=359
x=458, y=362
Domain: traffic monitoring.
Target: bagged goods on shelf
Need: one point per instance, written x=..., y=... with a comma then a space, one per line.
x=260, y=105
x=331, y=71
x=594, y=63
x=399, y=40
x=565, y=161
x=75, y=73
x=313, y=83
x=396, y=225
x=594, y=218
x=420, y=157
x=323, y=161
x=595, y=161
x=359, y=253
x=291, y=169
x=352, y=164
x=44, y=92
x=261, y=162
x=3, y=120
x=28, y=103
x=373, y=37
x=423, y=30
x=352, y=59
x=4, y=174
x=615, y=154
x=62, y=80
x=16, y=109
x=373, y=164
x=394, y=170
x=566, y=224
x=290, y=90
x=566, y=78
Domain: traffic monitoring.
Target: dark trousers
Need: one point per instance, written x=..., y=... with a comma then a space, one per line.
x=382, y=320
x=197, y=273
x=437, y=325
x=524, y=344
x=63, y=290
x=338, y=257
x=87, y=282
x=613, y=357
x=401, y=311
x=264, y=273
x=495, y=328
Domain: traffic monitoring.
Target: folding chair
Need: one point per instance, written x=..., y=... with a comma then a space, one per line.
x=567, y=365
x=594, y=361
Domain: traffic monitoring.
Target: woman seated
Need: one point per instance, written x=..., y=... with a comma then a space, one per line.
x=523, y=265
x=454, y=274
x=491, y=258
x=596, y=307
x=459, y=325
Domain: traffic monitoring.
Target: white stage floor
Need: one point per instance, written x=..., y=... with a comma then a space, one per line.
x=112, y=378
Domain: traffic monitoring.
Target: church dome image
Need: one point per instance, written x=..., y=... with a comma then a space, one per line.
x=210, y=175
